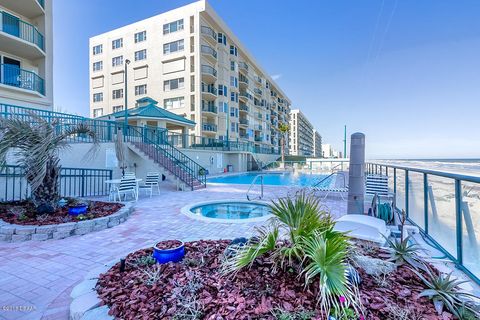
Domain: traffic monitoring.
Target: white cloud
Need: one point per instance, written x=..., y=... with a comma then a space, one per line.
x=276, y=76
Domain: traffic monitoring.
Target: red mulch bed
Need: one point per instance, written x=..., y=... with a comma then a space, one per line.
x=254, y=293
x=24, y=213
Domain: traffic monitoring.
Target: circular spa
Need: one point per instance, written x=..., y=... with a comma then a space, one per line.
x=229, y=211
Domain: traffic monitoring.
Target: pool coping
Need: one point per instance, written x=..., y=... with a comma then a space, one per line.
x=186, y=210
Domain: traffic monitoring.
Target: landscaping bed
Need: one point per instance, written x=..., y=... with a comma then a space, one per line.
x=25, y=213
x=195, y=288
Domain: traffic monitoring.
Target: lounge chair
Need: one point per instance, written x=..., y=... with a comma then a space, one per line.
x=363, y=227
x=152, y=180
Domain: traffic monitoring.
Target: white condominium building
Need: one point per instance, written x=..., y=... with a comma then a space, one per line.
x=302, y=135
x=26, y=53
x=193, y=64
x=317, y=144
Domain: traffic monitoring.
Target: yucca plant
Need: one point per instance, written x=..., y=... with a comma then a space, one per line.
x=402, y=251
x=444, y=290
x=35, y=143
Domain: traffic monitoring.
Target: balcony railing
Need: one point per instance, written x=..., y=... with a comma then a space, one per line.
x=209, y=88
x=21, y=29
x=243, y=107
x=209, y=70
x=444, y=206
x=209, y=32
x=244, y=121
x=257, y=91
x=243, y=65
x=246, y=95
x=209, y=107
x=258, y=138
x=208, y=50
x=210, y=127
x=42, y=3
x=11, y=75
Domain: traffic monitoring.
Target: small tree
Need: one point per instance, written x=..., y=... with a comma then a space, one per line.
x=35, y=144
x=284, y=129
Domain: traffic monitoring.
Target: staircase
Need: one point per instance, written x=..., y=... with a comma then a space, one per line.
x=153, y=145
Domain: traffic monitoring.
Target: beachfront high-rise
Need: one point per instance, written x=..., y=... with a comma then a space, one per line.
x=304, y=140
x=26, y=53
x=193, y=64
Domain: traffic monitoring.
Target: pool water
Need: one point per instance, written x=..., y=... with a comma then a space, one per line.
x=232, y=210
x=276, y=179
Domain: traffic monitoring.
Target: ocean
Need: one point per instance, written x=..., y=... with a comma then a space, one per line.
x=462, y=166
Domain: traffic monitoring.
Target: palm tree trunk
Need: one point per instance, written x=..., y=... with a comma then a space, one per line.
x=46, y=194
x=283, y=151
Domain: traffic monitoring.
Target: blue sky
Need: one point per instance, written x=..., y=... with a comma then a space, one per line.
x=406, y=72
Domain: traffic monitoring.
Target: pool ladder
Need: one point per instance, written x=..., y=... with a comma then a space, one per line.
x=253, y=184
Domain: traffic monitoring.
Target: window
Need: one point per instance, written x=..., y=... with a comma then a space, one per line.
x=224, y=107
x=98, y=66
x=233, y=50
x=140, y=36
x=118, y=43
x=141, y=90
x=97, y=97
x=173, y=47
x=233, y=66
x=174, y=103
x=234, y=96
x=117, y=108
x=173, y=84
x=97, y=49
x=221, y=38
x=173, y=26
x=222, y=90
x=141, y=55
x=97, y=112
x=117, y=94
x=233, y=81
x=117, y=61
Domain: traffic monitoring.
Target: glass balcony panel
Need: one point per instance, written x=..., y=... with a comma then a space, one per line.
x=416, y=204
x=400, y=195
x=470, y=206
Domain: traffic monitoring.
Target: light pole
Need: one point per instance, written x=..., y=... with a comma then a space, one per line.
x=125, y=120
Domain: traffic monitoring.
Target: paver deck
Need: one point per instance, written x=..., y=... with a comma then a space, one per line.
x=37, y=277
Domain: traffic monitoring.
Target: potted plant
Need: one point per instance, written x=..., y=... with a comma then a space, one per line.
x=169, y=251
x=77, y=207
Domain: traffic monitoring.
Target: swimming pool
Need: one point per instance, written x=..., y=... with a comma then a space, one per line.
x=229, y=211
x=276, y=179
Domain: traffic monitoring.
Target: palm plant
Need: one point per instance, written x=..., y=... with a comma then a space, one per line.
x=35, y=143
x=310, y=244
x=445, y=290
x=284, y=129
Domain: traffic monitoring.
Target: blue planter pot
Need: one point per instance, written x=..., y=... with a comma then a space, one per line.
x=76, y=210
x=169, y=255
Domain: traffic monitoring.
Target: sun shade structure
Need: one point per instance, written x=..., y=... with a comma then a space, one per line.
x=148, y=113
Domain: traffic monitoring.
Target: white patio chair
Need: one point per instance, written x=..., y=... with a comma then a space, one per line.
x=152, y=180
x=127, y=186
x=129, y=174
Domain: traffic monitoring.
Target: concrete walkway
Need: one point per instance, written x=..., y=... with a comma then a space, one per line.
x=36, y=278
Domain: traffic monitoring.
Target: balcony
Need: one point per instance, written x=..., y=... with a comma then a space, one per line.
x=27, y=8
x=243, y=81
x=259, y=116
x=244, y=136
x=243, y=122
x=210, y=35
x=243, y=108
x=209, y=73
x=20, y=38
x=258, y=92
x=209, y=107
x=245, y=96
x=209, y=53
x=258, y=127
x=209, y=91
x=258, y=138
x=243, y=66
x=209, y=127
x=11, y=75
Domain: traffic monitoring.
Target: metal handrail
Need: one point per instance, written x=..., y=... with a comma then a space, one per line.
x=253, y=183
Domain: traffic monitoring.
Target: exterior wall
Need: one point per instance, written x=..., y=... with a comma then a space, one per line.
x=301, y=134
x=203, y=61
x=19, y=89
x=317, y=144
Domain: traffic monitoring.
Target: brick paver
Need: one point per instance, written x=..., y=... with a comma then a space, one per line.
x=41, y=275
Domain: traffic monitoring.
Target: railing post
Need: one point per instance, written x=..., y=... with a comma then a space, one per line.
x=458, y=215
x=406, y=193
x=425, y=201
x=83, y=182
x=395, y=182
